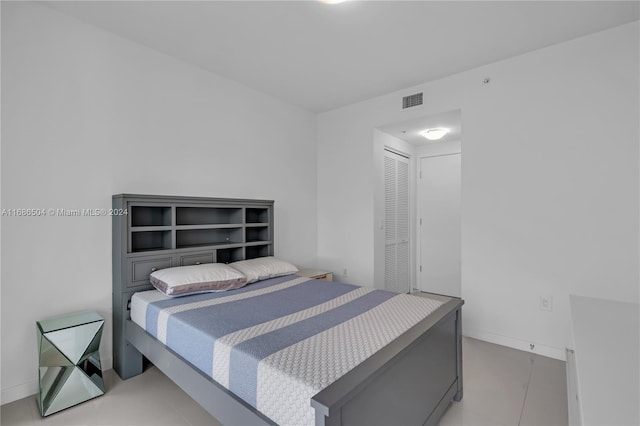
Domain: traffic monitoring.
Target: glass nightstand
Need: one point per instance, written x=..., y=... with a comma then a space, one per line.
x=69, y=361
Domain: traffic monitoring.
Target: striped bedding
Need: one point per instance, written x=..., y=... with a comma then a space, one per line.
x=278, y=342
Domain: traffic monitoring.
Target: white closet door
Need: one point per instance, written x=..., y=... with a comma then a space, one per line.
x=439, y=204
x=396, y=222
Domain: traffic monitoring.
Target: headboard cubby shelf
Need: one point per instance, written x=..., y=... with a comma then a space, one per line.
x=165, y=231
x=175, y=225
x=148, y=215
x=254, y=215
x=208, y=216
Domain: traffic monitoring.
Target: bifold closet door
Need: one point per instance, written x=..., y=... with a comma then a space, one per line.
x=396, y=223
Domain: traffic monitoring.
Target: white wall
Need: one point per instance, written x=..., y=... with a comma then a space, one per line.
x=549, y=184
x=85, y=115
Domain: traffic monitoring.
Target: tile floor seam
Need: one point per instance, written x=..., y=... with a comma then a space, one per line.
x=526, y=392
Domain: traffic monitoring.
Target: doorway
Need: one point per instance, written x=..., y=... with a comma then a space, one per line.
x=433, y=244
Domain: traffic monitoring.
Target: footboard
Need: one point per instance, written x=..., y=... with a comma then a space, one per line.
x=409, y=382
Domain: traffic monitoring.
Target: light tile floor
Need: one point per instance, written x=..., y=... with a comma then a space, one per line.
x=502, y=386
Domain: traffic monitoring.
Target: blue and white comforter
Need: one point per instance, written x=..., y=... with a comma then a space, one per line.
x=278, y=342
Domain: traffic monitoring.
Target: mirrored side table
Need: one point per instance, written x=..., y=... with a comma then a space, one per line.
x=69, y=361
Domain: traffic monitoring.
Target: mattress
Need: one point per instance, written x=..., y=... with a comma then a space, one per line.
x=278, y=342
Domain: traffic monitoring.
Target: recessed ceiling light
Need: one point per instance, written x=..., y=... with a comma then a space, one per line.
x=332, y=1
x=434, y=134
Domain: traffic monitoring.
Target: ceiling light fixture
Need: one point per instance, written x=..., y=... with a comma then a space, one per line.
x=434, y=134
x=333, y=1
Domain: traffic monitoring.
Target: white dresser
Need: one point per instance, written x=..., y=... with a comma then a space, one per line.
x=603, y=367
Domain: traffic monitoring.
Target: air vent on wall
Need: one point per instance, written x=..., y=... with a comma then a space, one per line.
x=412, y=100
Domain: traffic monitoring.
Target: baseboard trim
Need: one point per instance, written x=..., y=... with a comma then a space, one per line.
x=17, y=392
x=24, y=390
x=548, y=351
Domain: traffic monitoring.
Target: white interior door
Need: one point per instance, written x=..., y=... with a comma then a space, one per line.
x=439, y=210
x=396, y=223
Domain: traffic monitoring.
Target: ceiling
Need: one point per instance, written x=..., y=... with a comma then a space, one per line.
x=321, y=56
x=409, y=131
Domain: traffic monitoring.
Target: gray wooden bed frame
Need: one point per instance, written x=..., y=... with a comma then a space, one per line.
x=408, y=382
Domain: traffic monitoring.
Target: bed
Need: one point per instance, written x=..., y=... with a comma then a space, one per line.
x=284, y=350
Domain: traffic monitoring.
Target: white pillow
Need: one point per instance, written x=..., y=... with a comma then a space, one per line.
x=262, y=268
x=183, y=280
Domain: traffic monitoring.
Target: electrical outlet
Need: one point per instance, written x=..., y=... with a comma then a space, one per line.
x=344, y=272
x=546, y=303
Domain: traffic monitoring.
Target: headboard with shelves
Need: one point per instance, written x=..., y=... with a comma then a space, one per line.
x=165, y=231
